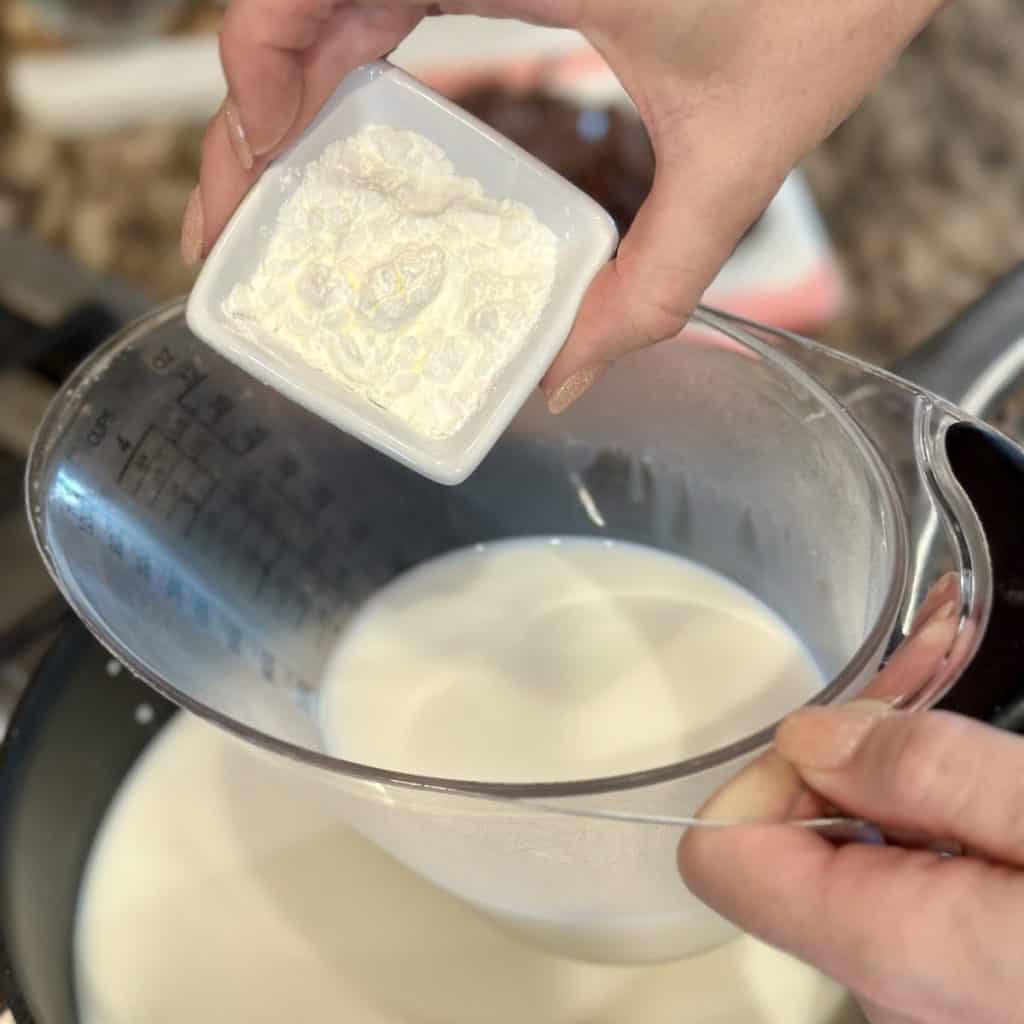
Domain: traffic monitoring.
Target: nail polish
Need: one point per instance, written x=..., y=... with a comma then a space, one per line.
x=192, y=229
x=236, y=135
x=575, y=387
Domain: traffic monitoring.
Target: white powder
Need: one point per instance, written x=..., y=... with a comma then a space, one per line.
x=399, y=279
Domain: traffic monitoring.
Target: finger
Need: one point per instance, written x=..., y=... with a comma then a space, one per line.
x=898, y=927
x=264, y=45
x=921, y=670
x=931, y=772
x=223, y=182
x=349, y=37
x=919, y=659
x=945, y=589
x=681, y=237
x=262, y=49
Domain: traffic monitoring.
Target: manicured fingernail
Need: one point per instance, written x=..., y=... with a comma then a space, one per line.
x=940, y=624
x=192, y=229
x=575, y=387
x=236, y=135
x=947, y=583
x=826, y=739
x=946, y=588
x=765, y=791
x=939, y=630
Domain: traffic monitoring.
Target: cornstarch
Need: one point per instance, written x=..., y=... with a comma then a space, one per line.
x=399, y=279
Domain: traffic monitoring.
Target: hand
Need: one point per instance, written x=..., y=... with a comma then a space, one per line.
x=919, y=939
x=733, y=93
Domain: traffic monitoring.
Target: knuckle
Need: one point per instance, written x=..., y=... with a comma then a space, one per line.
x=962, y=777
x=874, y=946
x=927, y=769
x=663, y=315
x=659, y=304
x=242, y=28
x=657, y=313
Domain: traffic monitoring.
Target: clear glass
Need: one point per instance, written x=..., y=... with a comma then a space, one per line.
x=217, y=538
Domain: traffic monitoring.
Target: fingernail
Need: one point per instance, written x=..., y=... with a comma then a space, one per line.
x=192, y=229
x=575, y=387
x=765, y=791
x=947, y=583
x=236, y=135
x=947, y=587
x=940, y=628
x=827, y=739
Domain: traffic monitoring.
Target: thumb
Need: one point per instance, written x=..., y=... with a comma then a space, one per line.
x=931, y=772
x=681, y=237
x=282, y=60
x=899, y=927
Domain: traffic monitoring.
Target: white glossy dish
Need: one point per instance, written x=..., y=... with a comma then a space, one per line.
x=381, y=93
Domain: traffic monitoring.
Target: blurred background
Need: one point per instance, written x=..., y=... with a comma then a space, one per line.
x=921, y=191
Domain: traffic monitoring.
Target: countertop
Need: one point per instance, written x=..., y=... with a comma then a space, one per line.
x=922, y=188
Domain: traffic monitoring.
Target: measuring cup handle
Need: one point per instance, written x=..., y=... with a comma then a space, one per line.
x=990, y=470
x=973, y=362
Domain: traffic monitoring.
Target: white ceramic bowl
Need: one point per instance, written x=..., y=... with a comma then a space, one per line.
x=381, y=93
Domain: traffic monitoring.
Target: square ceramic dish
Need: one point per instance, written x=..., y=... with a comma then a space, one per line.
x=380, y=93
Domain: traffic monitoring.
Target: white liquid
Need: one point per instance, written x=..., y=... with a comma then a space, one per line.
x=537, y=660
x=223, y=890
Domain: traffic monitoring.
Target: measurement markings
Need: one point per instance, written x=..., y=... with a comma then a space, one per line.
x=135, y=451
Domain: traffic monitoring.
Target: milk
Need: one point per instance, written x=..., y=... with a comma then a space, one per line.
x=223, y=889
x=548, y=659
x=244, y=891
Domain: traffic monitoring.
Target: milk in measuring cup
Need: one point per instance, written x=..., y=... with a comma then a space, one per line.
x=553, y=659
x=547, y=660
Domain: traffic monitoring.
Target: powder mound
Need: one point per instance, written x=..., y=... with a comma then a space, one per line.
x=399, y=279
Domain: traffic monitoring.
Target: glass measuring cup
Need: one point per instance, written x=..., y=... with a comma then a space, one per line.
x=217, y=538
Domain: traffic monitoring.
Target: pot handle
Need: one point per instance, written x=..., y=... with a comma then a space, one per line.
x=990, y=470
x=973, y=361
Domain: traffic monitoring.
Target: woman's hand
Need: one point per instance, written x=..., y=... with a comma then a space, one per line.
x=918, y=938
x=732, y=92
